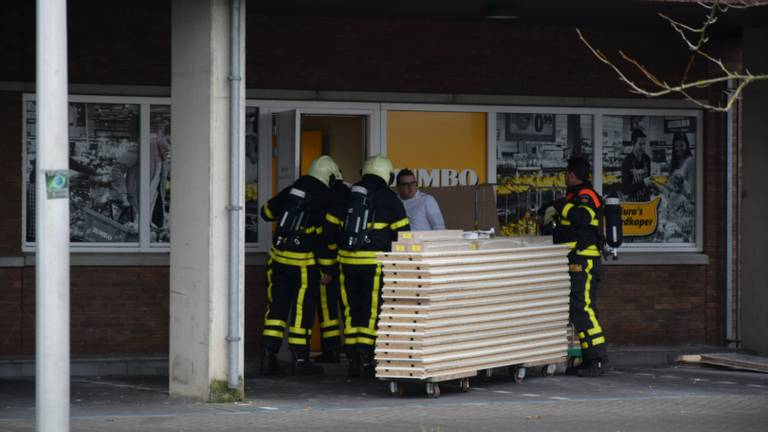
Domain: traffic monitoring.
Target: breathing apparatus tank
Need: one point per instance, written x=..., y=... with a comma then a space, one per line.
x=359, y=212
x=613, y=227
x=292, y=221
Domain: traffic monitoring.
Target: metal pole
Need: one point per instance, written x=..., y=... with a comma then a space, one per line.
x=235, y=198
x=52, y=224
x=730, y=335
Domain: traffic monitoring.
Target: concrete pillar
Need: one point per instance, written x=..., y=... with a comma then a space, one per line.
x=753, y=272
x=200, y=36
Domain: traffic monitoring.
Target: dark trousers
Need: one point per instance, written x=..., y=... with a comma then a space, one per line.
x=330, y=324
x=361, y=294
x=585, y=279
x=291, y=292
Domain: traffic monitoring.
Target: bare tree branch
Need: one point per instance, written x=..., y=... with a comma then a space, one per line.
x=695, y=38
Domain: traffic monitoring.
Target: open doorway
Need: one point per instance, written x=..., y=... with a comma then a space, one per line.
x=342, y=137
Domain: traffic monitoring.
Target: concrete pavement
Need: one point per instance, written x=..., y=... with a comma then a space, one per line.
x=628, y=399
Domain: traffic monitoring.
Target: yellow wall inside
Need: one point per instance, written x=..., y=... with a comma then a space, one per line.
x=443, y=140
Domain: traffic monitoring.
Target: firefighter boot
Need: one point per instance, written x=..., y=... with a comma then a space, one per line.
x=367, y=365
x=329, y=355
x=593, y=368
x=303, y=366
x=270, y=365
x=354, y=363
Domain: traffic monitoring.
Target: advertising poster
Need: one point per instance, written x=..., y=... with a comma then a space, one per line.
x=649, y=162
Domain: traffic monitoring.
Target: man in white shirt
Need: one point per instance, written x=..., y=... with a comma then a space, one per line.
x=422, y=209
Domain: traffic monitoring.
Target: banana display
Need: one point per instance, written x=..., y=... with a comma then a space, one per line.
x=251, y=191
x=527, y=225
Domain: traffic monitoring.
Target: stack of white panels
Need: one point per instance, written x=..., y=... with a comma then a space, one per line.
x=452, y=307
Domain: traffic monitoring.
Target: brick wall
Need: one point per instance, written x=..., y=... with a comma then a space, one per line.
x=124, y=310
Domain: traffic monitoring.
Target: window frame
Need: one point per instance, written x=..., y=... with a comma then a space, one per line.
x=143, y=245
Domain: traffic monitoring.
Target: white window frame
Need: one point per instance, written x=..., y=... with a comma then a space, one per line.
x=597, y=114
x=376, y=114
x=269, y=107
x=143, y=245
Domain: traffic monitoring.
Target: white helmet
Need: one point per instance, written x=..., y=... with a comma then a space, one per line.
x=324, y=169
x=379, y=166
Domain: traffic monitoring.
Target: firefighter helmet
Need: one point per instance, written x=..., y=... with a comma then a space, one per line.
x=379, y=166
x=325, y=170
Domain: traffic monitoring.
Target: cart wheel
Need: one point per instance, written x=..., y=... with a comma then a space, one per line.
x=518, y=374
x=433, y=390
x=573, y=361
x=464, y=385
x=395, y=389
x=485, y=374
x=548, y=370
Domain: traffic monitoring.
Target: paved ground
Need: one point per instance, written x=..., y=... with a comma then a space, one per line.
x=628, y=399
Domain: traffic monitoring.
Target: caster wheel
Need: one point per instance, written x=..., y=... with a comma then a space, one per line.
x=518, y=374
x=548, y=370
x=486, y=374
x=395, y=389
x=464, y=385
x=433, y=390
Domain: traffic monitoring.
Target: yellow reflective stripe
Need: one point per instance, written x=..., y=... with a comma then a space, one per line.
x=566, y=209
x=273, y=333
x=594, y=331
x=333, y=246
x=565, y=222
x=268, y=212
x=358, y=254
x=330, y=323
x=300, y=299
x=350, y=341
x=331, y=333
x=350, y=330
x=584, y=345
x=298, y=330
x=570, y=245
x=294, y=262
x=297, y=341
x=269, y=289
x=598, y=341
x=365, y=340
x=294, y=255
x=592, y=216
x=374, y=303
x=378, y=225
x=326, y=262
x=357, y=261
x=332, y=219
x=325, y=315
x=345, y=302
x=399, y=224
x=274, y=322
x=581, y=335
x=310, y=230
x=588, y=252
x=368, y=331
x=587, y=297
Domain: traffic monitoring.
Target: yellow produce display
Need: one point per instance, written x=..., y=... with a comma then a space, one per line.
x=523, y=183
x=527, y=225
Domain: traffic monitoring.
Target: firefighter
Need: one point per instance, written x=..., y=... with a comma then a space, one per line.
x=330, y=322
x=578, y=223
x=293, y=274
x=373, y=218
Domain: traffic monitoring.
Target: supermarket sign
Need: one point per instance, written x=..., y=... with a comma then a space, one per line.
x=640, y=219
x=443, y=177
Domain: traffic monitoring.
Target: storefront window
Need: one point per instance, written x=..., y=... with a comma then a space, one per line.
x=104, y=161
x=650, y=163
x=251, y=174
x=532, y=150
x=160, y=173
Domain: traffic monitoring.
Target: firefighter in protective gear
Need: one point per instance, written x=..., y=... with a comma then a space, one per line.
x=293, y=275
x=330, y=294
x=361, y=276
x=578, y=223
